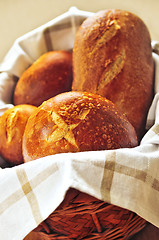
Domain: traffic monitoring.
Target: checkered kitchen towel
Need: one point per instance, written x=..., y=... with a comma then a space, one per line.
x=29, y=193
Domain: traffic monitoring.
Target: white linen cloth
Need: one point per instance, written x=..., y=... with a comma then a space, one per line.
x=30, y=192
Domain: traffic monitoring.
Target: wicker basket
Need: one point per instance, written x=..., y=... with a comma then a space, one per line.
x=81, y=216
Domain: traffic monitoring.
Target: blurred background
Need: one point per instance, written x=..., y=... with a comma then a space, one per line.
x=18, y=17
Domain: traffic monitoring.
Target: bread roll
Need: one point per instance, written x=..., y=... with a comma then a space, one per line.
x=12, y=124
x=50, y=75
x=75, y=122
x=112, y=57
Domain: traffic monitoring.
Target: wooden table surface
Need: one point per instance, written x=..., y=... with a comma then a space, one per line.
x=150, y=232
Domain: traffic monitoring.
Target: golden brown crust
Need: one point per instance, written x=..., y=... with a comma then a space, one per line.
x=112, y=56
x=12, y=124
x=74, y=122
x=48, y=76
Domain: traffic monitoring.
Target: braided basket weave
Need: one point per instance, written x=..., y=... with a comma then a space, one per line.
x=81, y=216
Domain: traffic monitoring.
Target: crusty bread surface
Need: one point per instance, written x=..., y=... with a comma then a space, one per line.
x=112, y=57
x=48, y=76
x=12, y=125
x=75, y=122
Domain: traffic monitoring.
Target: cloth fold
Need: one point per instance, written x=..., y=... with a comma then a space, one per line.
x=30, y=192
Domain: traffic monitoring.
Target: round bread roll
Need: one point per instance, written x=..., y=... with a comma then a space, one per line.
x=50, y=75
x=112, y=57
x=12, y=125
x=76, y=122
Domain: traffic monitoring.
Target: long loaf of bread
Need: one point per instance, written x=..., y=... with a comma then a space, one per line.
x=112, y=57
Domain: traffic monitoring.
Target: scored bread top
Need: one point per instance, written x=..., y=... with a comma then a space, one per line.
x=12, y=125
x=112, y=57
x=74, y=122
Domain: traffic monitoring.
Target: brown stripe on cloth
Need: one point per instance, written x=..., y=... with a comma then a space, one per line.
x=138, y=174
x=155, y=184
x=28, y=191
x=11, y=200
x=111, y=166
x=48, y=41
x=109, y=169
x=17, y=195
x=128, y=171
x=28, y=187
x=155, y=129
x=49, y=30
x=58, y=27
x=42, y=176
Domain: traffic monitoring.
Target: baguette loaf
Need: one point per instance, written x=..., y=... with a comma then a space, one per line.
x=50, y=75
x=75, y=122
x=112, y=57
x=12, y=125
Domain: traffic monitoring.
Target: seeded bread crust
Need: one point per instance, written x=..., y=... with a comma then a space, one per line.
x=75, y=122
x=112, y=57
